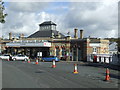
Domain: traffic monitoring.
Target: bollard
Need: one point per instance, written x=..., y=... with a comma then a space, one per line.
x=75, y=69
x=53, y=64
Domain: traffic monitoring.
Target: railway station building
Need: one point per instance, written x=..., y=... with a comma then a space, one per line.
x=51, y=42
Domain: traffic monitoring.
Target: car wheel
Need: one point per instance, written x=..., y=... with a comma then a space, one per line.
x=25, y=59
x=14, y=59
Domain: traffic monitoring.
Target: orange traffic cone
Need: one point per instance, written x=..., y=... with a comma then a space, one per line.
x=107, y=77
x=75, y=69
x=36, y=61
x=53, y=64
x=28, y=60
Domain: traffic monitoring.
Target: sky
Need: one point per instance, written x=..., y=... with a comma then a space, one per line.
x=97, y=19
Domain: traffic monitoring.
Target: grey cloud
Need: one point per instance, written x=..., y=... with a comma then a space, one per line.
x=84, y=5
x=27, y=6
x=94, y=17
x=19, y=21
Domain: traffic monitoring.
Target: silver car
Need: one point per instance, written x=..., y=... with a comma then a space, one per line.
x=5, y=57
x=20, y=57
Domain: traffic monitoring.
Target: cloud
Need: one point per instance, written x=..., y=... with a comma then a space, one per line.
x=23, y=17
x=98, y=19
x=27, y=6
x=27, y=21
x=93, y=17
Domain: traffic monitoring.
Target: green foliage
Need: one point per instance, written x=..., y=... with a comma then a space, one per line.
x=2, y=15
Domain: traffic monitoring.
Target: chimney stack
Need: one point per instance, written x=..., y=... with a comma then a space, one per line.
x=10, y=36
x=75, y=33
x=81, y=34
x=21, y=35
x=68, y=38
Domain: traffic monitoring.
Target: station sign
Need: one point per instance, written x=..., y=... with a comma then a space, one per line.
x=29, y=44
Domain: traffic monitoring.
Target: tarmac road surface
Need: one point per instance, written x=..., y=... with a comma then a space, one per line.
x=18, y=74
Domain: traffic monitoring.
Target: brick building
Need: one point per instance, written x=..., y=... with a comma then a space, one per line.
x=49, y=41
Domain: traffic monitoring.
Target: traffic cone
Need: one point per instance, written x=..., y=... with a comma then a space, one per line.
x=75, y=69
x=36, y=61
x=107, y=77
x=28, y=60
x=53, y=64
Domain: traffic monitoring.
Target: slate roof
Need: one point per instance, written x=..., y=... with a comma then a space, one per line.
x=47, y=23
x=47, y=33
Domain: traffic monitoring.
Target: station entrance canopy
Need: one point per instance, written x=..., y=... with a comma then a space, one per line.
x=29, y=43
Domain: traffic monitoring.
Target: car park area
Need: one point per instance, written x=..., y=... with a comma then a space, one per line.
x=17, y=74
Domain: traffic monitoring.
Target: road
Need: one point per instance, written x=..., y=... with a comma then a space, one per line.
x=18, y=74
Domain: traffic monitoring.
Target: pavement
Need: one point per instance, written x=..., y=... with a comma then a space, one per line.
x=18, y=74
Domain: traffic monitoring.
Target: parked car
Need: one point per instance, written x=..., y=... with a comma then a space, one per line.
x=5, y=56
x=50, y=58
x=20, y=57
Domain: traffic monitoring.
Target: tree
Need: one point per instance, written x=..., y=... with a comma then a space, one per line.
x=2, y=15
